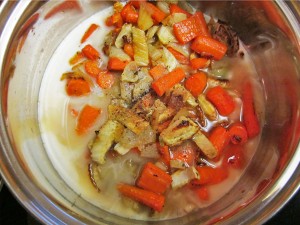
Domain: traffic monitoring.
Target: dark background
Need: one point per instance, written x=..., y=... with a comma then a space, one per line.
x=12, y=213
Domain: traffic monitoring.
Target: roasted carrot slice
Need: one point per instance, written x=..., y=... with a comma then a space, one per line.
x=87, y=118
x=154, y=179
x=176, y=9
x=209, y=175
x=77, y=87
x=221, y=100
x=238, y=133
x=199, y=63
x=92, y=68
x=129, y=13
x=62, y=7
x=219, y=137
x=90, y=52
x=128, y=49
x=105, y=79
x=166, y=82
x=196, y=83
x=209, y=46
x=249, y=115
x=89, y=32
x=115, y=63
x=158, y=71
x=76, y=58
x=165, y=153
x=155, y=12
x=148, y=198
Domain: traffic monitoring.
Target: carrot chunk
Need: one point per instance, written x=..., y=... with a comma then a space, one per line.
x=148, y=198
x=190, y=28
x=129, y=13
x=209, y=175
x=154, y=179
x=210, y=46
x=155, y=12
x=77, y=87
x=176, y=9
x=238, y=133
x=199, y=63
x=105, y=79
x=219, y=137
x=166, y=82
x=115, y=63
x=221, y=100
x=196, y=83
x=76, y=58
x=249, y=115
x=90, y=52
x=202, y=193
x=89, y=32
x=234, y=157
x=92, y=68
x=158, y=71
x=87, y=118
x=165, y=153
x=128, y=49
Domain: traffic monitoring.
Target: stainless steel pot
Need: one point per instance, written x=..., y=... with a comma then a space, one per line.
x=271, y=33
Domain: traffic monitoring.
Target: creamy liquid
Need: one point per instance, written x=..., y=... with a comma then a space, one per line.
x=69, y=152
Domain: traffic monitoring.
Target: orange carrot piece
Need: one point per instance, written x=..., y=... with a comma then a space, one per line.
x=221, y=100
x=76, y=58
x=189, y=28
x=155, y=12
x=165, y=153
x=148, y=198
x=238, y=133
x=89, y=32
x=115, y=63
x=92, y=68
x=87, y=118
x=77, y=87
x=249, y=115
x=219, y=137
x=209, y=46
x=185, y=152
x=196, y=83
x=105, y=79
x=90, y=52
x=136, y=3
x=199, y=63
x=64, y=6
x=154, y=179
x=176, y=9
x=166, y=82
x=202, y=193
x=128, y=49
x=115, y=20
x=202, y=24
x=158, y=71
x=234, y=157
x=180, y=57
x=129, y=13
x=209, y=175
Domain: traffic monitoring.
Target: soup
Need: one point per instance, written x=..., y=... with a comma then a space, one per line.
x=143, y=118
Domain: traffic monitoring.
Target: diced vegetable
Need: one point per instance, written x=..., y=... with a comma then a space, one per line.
x=205, y=145
x=168, y=59
x=155, y=12
x=165, y=35
x=176, y=9
x=238, y=133
x=150, y=33
x=125, y=33
x=184, y=154
x=196, y=83
x=76, y=58
x=207, y=45
x=174, y=18
x=130, y=72
x=107, y=134
x=158, y=71
x=234, y=157
x=77, y=87
x=167, y=81
x=128, y=49
x=179, y=91
x=165, y=153
x=178, y=131
x=119, y=53
x=183, y=177
x=163, y=6
x=140, y=47
x=143, y=85
x=148, y=198
x=129, y=14
x=209, y=175
x=145, y=20
x=219, y=137
x=180, y=57
x=87, y=118
x=127, y=118
x=105, y=79
x=90, y=52
x=117, y=64
x=89, y=32
x=249, y=115
x=208, y=109
x=199, y=63
x=161, y=113
x=154, y=179
x=92, y=68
